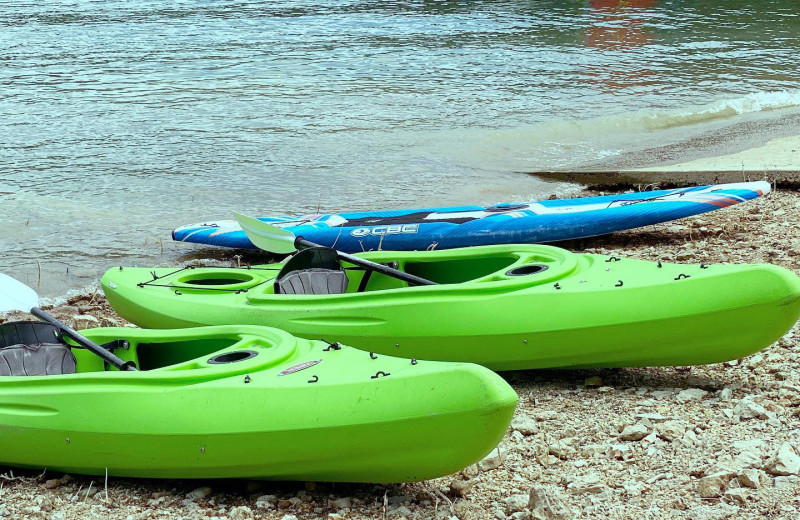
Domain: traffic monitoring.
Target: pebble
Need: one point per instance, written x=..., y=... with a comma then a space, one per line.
x=784, y=462
x=747, y=409
x=53, y=483
x=517, y=502
x=546, y=503
x=461, y=487
x=240, y=513
x=525, y=425
x=671, y=430
x=586, y=484
x=494, y=460
x=751, y=478
x=342, y=503
x=691, y=394
x=199, y=493
x=593, y=381
x=266, y=502
x=634, y=432
x=713, y=486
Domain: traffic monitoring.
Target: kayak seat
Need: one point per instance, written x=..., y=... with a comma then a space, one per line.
x=315, y=270
x=28, y=348
x=313, y=281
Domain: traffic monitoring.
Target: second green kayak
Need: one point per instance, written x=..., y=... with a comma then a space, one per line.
x=505, y=307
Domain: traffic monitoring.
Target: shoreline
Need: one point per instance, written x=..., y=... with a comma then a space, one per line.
x=777, y=160
x=566, y=441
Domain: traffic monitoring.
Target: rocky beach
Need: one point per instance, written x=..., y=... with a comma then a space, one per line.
x=707, y=442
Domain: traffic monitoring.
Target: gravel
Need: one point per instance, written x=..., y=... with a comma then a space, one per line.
x=710, y=442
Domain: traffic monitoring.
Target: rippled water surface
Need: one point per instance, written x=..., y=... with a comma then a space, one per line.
x=123, y=120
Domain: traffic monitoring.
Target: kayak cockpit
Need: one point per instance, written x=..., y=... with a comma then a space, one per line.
x=46, y=353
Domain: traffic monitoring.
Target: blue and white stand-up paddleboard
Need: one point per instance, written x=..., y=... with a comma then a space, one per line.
x=505, y=223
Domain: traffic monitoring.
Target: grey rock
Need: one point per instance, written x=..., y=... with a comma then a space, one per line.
x=751, y=478
x=525, y=425
x=784, y=461
x=546, y=503
x=786, y=482
x=342, y=503
x=736, y=496
x=712, y=486
x=199, y=493
x=586, y=484
x=240, y=513
x=670, y=430
x=266, y=502
x=461, y=487
x=517, y=502
x=593, y=381
x=691, y=394
x=493, y=461
x=747, y=409
x=634, y=432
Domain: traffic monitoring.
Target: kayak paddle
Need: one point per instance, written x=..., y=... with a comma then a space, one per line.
x=16, y=296
x=276, y=240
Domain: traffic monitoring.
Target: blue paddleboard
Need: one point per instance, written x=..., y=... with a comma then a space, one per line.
x=505, y=223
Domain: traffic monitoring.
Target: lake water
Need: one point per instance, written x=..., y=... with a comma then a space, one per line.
x=123, y=120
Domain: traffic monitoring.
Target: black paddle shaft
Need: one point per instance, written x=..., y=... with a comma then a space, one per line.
x=373, y=266
x=84, y=341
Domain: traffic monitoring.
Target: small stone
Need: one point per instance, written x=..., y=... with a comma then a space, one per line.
x=784, y=462
x=199, y=493
x=786, y=482
x=652, y=417
x=461, y=487
x=493, y=461
x=342, y=503
x=634, y=432
x=288, y=517
x=737, y=496
x=546, y=504
x=691, y=394
x=593, y=381
x=399, y=499
x=713, y=485
x=240, y=513
x=266, y=502
x=516, y=503
x=751, y=478
x=586, y=484
x=53, y=483
x=747, y=409
x=670, y=430
x=525, y=425
x=725, y=394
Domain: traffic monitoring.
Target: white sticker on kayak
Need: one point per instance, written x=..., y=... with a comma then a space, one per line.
x=298, y=368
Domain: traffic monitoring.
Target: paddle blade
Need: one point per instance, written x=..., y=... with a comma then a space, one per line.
x=15, y=295
x=265, y=236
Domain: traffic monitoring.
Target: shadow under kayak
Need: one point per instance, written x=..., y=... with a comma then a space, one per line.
x=505, y=307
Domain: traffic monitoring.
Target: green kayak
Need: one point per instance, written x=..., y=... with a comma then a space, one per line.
x=505, y=307
x=242, y=402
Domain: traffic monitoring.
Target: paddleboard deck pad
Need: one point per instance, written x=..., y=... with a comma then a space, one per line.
x=504, y=223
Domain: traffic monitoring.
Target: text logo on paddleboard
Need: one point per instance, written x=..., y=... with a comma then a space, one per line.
x=394, y=229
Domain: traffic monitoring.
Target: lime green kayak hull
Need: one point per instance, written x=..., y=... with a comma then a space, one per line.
x=349, y=417
x=580, y=311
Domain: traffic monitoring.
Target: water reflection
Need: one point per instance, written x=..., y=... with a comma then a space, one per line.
x=619, y=27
